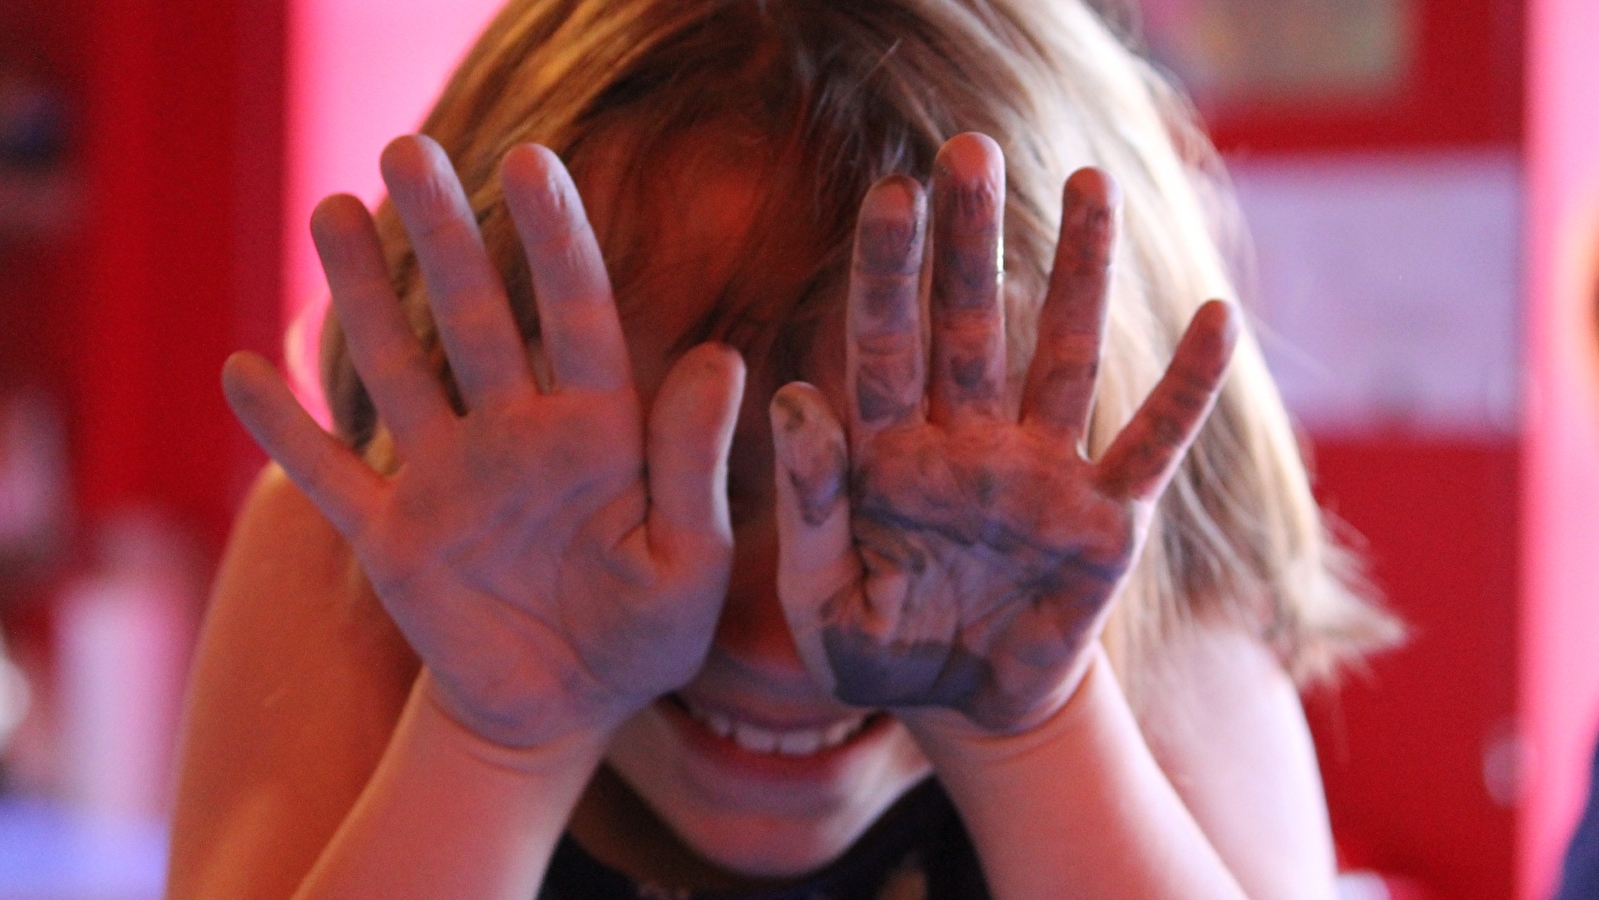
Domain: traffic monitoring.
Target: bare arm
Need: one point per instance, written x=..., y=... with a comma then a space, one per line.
x=299, y=679
x=451, y=813
x=1224, y=722
x=1087, y=805
x=302, y=745
x=1076, y=806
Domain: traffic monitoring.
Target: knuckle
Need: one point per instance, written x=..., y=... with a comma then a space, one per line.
x=888, y=245
x=888, y=300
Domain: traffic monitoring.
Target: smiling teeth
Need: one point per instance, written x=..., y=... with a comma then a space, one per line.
x=802, y=742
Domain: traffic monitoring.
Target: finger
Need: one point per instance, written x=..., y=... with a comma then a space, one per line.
x=1071, y=326
x=884, y=364
x=968, y=319
x=338, y=482
x=387, y=355
x=816, y=558
x=577, y=316
x=474, y=318
x=1144, y=455
x=690, y=432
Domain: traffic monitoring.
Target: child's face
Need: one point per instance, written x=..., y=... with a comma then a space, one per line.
x=704, y=759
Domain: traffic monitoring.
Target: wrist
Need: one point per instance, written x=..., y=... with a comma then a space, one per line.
x=577, y=748
x=1083, y=782
x=949, y=736
x=449, y=811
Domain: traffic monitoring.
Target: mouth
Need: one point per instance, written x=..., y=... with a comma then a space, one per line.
x=773, y=741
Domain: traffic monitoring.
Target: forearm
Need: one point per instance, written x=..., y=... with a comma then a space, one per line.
x=449, y=814
x=1076, y=807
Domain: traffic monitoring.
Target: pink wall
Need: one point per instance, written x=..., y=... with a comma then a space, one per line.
x=1559, y=688
x=360, y=72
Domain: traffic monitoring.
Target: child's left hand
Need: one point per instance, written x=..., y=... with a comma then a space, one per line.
x=955, y=556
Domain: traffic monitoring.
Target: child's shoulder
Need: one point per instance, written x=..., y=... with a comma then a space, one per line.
x=278, y=520
x=283, y=551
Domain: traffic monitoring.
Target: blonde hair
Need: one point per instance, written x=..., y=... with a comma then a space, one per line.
x=850, y=91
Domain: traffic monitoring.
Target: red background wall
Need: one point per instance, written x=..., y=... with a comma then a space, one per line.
x=1464, y=89
x=1404, y=747
x=183, y=151
x=171, y=263
x=174, y=262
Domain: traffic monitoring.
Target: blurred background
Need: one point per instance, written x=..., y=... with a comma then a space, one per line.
x=1422, y=184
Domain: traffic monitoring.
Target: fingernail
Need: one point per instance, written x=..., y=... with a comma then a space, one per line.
x=971, y=157
x=970, y=184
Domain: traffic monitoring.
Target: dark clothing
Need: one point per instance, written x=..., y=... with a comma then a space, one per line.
x=1580, y=880
x=917, y=851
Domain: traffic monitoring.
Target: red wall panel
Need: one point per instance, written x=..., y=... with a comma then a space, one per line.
x=1403, y=747
x=183, y=144
x=1463, y=89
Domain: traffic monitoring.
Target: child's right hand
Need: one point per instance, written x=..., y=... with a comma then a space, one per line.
x=548, y=585
x=963, y=554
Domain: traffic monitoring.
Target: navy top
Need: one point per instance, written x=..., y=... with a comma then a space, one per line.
x=1580, y=880
x=917, y=851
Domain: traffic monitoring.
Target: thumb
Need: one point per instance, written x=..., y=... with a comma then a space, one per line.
x=816, y=555
x=690, y=431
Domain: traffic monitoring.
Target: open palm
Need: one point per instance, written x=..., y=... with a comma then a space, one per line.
x=545, y=581
x=957, y=555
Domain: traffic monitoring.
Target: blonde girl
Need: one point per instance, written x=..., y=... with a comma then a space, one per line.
x=754, y=467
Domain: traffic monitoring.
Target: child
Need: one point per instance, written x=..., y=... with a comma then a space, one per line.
x=703, y=518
